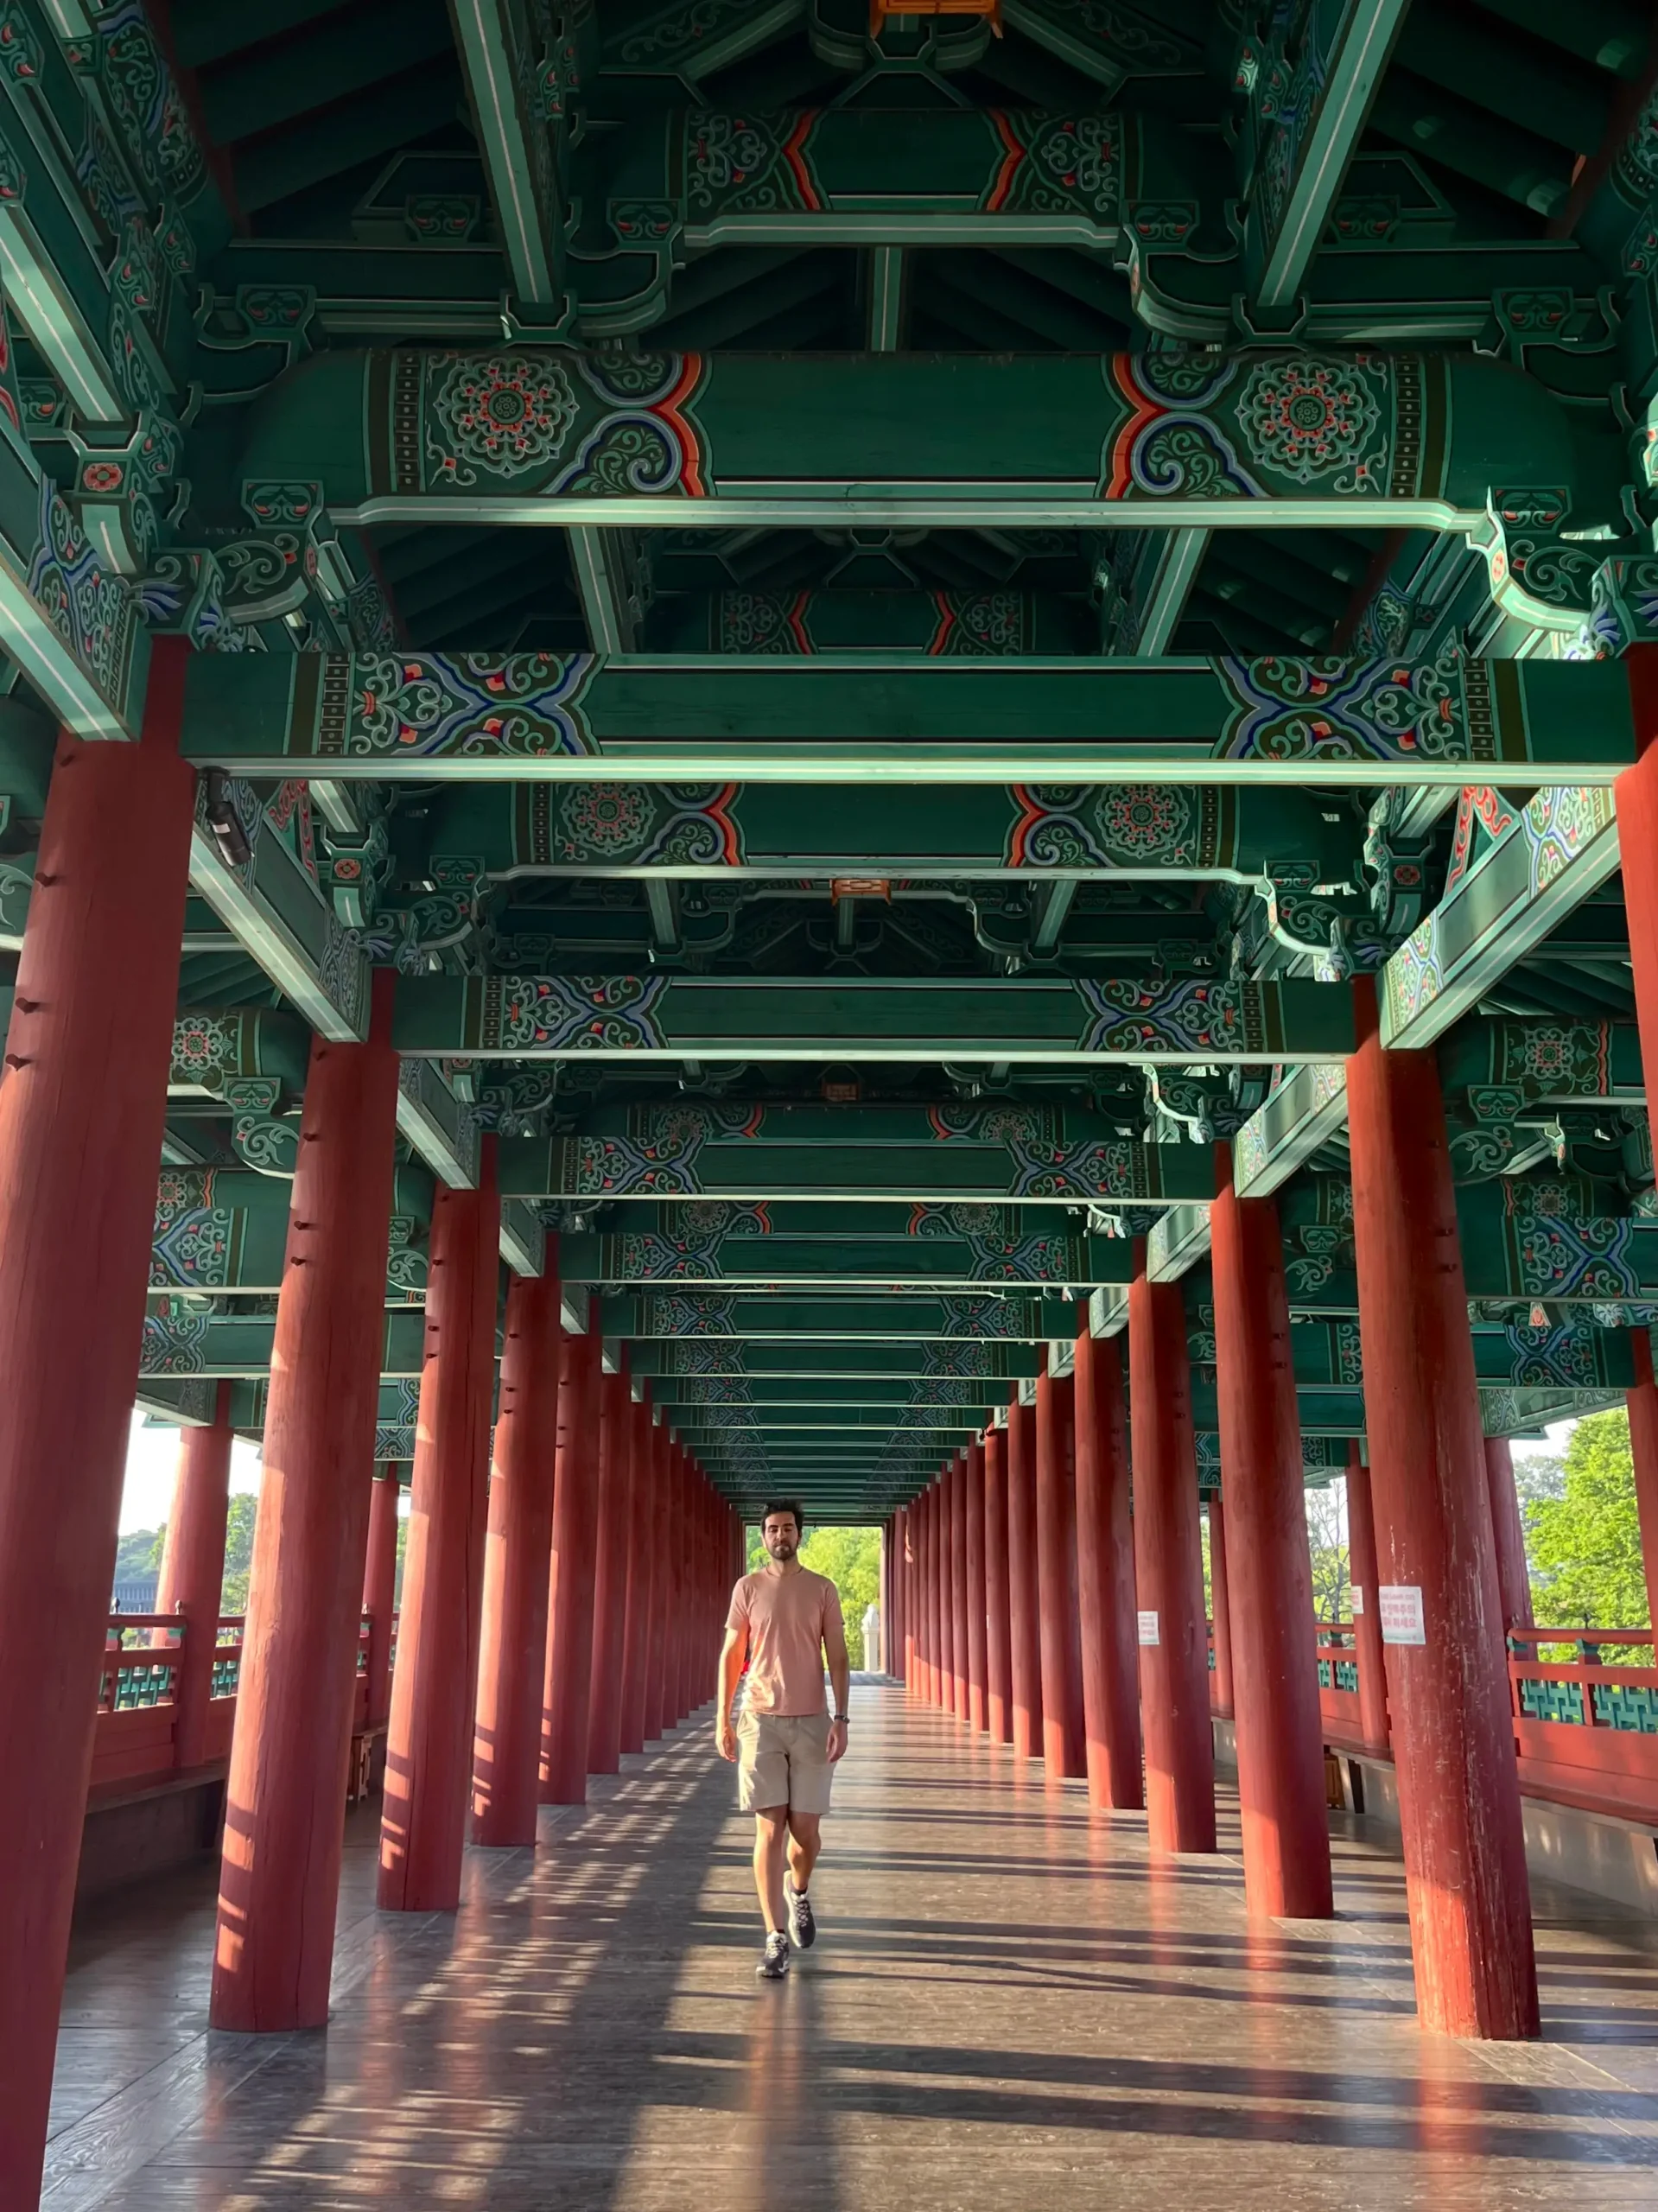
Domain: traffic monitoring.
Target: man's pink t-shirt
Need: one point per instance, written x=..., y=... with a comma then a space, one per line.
x=787, y=1617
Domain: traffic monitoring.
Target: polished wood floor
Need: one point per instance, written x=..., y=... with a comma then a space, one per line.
x=1007, y=2007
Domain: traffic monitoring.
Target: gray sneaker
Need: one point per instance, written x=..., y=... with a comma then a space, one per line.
x=802, y=1927
x=774, y=1959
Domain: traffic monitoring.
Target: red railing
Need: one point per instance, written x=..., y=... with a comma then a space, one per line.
x=1584, y=1703
x=1586, y=1728
x=134, y=1744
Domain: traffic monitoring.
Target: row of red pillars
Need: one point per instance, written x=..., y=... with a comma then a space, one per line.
x=1073, y=1628
x=556, y=1612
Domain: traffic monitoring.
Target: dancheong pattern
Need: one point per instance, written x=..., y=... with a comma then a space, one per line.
x=473, y=705
x=657, y=1154
x=723, y=164
x=1190, y=1016
x=983, y=1317
x=572, y=1014
x=689, y=1313
x=627, y=825
x=949, y=624
x=689, y=1242
x=1202, y=426
x=1328, y=709
x=542, y=422
x=206, y=1047
x=1121, y=826
x=91, y=609
x=1000, y=1252
x=195, y=1241
x=1044, y=1165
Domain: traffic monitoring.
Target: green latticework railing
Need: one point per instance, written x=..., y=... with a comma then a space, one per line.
x=1338, y=1675
x=1635, y=1711
x=1552, y=1701
x=227, y=1673
x=137, y=1682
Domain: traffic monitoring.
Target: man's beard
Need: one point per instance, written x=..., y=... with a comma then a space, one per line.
x=781, y=1548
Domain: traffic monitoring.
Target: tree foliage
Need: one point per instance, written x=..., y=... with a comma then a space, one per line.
x=1582, y=1543
x=139, y=1552
x=239, y=1553
x=1326, y=1510
x=851, y=1559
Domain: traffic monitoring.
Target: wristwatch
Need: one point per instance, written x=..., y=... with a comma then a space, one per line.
x=840, y=1717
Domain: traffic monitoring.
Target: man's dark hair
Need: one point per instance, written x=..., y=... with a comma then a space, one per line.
x=785, y=1505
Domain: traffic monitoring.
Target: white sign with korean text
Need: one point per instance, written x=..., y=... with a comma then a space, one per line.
x=1400, y=1604
x=1148, y=1629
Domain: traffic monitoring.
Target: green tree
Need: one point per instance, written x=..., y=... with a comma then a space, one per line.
x=1584, y=1545
x=1326, y=1511
x=139, y=1552
x=851, y=1559
x=239, y=1553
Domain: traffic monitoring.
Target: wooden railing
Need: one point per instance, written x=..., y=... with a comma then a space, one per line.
x=134, y=1746
x=1585, y=1727
x=1584, y=1703
x=1338, y=1679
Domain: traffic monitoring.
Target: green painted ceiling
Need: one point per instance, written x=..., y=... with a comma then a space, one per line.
x=925, y=1204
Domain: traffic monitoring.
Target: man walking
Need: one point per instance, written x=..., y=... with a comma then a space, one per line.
x=784, y=1622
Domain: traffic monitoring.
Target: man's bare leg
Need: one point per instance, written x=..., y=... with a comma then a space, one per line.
x=770, y=1831
x=805, y=1842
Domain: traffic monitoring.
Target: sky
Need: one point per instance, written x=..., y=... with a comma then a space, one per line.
x=152, y=1459
x=1551, y=1445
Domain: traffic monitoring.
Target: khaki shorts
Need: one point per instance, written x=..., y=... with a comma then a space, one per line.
x=783, y=1759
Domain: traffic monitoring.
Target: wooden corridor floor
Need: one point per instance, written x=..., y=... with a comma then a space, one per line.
x=1006, y=2007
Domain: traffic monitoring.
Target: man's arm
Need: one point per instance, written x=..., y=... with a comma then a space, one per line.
x=732, y=1652
x=840, y=1678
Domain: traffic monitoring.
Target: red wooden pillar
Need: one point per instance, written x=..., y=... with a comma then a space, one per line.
x=674, y=1643
x=657, y=1531
x=973, y=1494
x=1063, y=1750
x=610, y=1588
x=998, y=1653
x=1367, y=1613
x=1105, y=1579
x=1509, y=1531
x=906, y=1580
x=896, y=1651
x=576, y=1536
x=1024, y=1648
x=82, y=1101
x=697, y=1666
x=380, y=1591
x=429, y=1740
x=1220, y=1674
x=297, y=1691
x=1169, y=1573
x=920, y=1514
x=914, y=1530
x=517, y=1556
x=956, y=1488
x=938, y=1605
x=946, y=1645
x=1261, y=1567
x=193, y=1572
x=1452, y=1733
x=1642, y=1402
x=688, y=1689
x=641, y=1559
